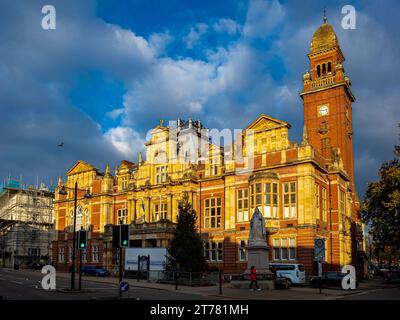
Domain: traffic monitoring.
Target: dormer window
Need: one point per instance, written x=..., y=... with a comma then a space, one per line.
x=161, y=174
x=124, y=183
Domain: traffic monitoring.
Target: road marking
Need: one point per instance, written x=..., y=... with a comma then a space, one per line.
x=17, y=282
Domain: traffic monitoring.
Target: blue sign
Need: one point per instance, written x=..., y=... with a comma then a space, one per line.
x=124, y=286
x=319, y=250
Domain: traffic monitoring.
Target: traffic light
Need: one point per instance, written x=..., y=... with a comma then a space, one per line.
x=124, y=235
x=115, y=236
x=82, y=239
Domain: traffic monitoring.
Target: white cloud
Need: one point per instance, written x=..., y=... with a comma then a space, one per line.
x=262, y=17
x=125, y=140
x=114, y=114
x=228, y=26
x=194, y=35
x=159, y=41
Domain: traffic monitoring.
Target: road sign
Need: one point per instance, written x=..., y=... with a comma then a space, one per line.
x=124, y=286
x=319, y=250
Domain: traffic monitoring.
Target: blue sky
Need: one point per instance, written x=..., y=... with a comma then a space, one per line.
x=111, y=70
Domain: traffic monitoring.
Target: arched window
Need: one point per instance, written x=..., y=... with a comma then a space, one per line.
x=86, y=219
x=318, y=70
x=78, y=218
x=329, y=67
x=324, y=69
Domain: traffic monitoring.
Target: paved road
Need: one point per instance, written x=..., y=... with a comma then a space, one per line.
x=377, y=294
x=26, y=285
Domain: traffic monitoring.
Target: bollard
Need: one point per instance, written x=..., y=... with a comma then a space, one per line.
x=176, y=280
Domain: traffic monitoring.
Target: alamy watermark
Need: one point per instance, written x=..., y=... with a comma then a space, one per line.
x=49, y=20
x=349, y=20
x=49, y=280
x=349, y=280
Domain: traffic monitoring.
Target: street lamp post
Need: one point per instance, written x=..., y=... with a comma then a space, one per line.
x=86, y=196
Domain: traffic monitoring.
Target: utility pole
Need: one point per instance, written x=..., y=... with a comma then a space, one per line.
x=74, y=238
x=120, y=271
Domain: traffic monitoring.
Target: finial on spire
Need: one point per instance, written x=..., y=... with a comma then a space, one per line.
x=108, y=170
x=325, y=18
x=140, y=158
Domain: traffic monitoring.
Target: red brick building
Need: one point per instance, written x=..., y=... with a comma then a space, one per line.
x=304, y=190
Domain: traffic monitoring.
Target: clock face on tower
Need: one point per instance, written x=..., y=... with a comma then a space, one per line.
x=323, y=110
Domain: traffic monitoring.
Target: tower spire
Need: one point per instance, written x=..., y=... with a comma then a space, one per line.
x=108, y=170
x=325, y=18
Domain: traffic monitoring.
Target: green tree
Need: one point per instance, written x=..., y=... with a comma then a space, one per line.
x=381, y=210
x=186, y=249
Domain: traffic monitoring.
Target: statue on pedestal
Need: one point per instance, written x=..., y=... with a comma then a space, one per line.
x=257, y=249
x=257, y=229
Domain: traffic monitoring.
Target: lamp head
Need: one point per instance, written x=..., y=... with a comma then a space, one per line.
x=88, y=195
x=62, y=191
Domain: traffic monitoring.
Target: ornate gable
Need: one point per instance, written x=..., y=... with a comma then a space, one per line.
x=264, y=122
x=79, y=167
x=266, y=134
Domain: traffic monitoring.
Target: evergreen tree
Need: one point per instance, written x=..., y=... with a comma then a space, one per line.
x=187, y=252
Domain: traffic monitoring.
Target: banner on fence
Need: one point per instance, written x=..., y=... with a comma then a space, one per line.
x=158, y=258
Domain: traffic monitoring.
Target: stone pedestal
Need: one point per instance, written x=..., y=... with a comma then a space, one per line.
x=258, y=256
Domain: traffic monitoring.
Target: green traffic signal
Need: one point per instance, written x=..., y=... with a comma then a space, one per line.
x=82, y=239
x=123, y=235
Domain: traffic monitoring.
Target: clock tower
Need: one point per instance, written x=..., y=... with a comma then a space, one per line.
x=327, y=99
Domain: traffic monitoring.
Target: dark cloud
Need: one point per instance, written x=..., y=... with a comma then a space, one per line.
x=259, y=71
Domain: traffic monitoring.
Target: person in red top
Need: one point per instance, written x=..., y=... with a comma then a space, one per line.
x=253, y=278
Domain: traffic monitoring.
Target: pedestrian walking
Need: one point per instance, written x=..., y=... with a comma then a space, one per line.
x=253, y=279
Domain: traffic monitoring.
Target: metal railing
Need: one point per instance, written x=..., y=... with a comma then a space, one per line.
x=184, y=278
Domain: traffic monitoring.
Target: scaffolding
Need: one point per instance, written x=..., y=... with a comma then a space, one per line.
x=26, y=224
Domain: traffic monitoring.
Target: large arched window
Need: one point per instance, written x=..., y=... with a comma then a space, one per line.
x=329, y=67
x=318, y=70
x=86, y=219
x=78, y=218
x=324, y=69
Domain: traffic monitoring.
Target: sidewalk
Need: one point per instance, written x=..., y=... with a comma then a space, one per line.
x=293, y=293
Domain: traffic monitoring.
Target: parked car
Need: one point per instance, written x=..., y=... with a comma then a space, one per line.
x=95, y=271
x=330, y=279
x=392, y=274
x=35, y=266
x=293, y=272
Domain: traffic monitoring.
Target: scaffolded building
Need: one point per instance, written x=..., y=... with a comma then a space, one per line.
x=26, y=224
